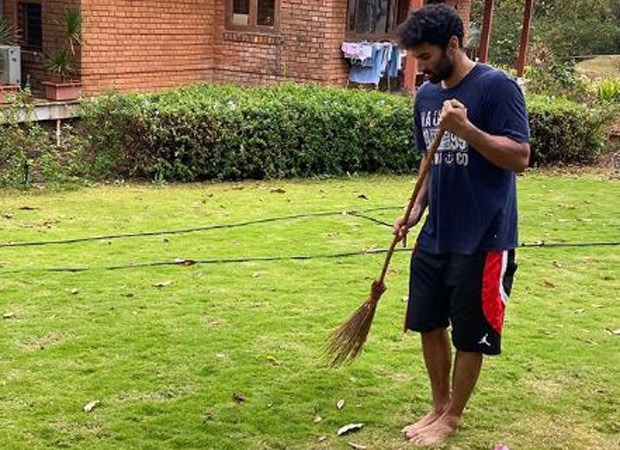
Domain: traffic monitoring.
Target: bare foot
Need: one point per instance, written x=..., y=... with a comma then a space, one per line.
x=438, y=431
x=412, y=430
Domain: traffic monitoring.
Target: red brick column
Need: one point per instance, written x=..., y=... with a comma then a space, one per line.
x=411, y=64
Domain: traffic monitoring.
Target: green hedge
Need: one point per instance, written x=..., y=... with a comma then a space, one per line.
x=563, y=131
x=223, y=132
x=211, y=132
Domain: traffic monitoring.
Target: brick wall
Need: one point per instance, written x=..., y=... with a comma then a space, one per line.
x=139, y=45
x=336, y=68
x=306, y=47
x=302, y=49
x=464, y=8
x=10, y=11
x=246, y=58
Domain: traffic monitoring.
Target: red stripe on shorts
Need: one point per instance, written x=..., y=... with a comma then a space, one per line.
x=492, y=304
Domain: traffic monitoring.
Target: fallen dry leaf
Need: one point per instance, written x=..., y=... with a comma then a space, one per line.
x=548, y=284
x=340, y=404
x=357, y=446
x=91, y=405
x=273, y=360
x=349, y=428
x=238, y=398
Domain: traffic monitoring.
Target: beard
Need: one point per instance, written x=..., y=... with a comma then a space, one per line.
x=444, y=70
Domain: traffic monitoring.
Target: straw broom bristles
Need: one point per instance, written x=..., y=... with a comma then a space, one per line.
x=346, y=342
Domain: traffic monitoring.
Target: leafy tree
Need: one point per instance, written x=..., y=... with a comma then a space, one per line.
x=569, y=28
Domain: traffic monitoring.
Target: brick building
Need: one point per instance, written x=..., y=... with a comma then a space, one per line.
x=151, y=44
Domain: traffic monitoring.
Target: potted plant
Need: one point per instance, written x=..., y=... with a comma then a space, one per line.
x=7, y=89
x=61, y=61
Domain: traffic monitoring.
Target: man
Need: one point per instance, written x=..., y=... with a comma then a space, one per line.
x=463, y=264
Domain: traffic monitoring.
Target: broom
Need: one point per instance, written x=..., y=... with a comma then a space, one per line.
x=346, y=342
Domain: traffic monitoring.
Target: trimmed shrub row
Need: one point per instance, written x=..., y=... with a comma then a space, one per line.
x=222, y=132
x=563, y=131
x=208, y=132
x=229, y=133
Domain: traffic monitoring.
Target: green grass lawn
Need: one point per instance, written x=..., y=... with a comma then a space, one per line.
x=605, y=66
x=166, y=362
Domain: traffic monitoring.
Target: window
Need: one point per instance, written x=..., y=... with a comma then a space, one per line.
x=253, y=14
x=375, y=18
x=31, y=26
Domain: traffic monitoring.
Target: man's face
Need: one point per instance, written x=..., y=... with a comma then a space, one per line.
x=434, y=62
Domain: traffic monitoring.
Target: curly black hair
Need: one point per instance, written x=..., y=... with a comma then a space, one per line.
x=433, y=24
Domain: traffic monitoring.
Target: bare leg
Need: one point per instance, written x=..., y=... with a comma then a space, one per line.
x=438, y=359
x=466, y=370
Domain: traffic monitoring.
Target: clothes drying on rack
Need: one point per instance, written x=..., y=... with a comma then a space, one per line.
x=397, y=58
x=370, y=61
x=357, y=52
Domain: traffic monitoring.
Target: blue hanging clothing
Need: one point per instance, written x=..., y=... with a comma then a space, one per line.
x=396, y=61
x=372, y=73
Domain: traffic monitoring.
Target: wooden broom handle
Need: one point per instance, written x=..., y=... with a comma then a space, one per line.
x=424, y=170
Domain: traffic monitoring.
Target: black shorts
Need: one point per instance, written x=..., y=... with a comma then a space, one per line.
x=468, y=292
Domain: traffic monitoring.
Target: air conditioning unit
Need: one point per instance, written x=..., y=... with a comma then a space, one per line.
x=10, y=64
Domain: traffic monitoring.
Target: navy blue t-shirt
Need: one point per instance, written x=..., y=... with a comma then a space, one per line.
x=472, y=202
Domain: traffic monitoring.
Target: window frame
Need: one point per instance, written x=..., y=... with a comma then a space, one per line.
x=402, y=10
x=23, y=26
x=253, y=26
